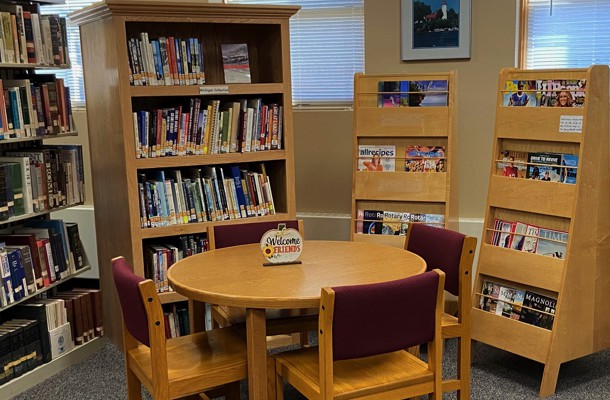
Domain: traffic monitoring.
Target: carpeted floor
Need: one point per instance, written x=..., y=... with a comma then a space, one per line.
x=495, y=375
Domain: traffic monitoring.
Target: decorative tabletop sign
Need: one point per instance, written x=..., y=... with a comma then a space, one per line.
x=282, y=246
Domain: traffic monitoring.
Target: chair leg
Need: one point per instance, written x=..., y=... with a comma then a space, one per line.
x=464, y=353
x=134, y=387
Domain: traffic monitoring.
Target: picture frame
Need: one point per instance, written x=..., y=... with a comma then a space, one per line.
x=435, y=29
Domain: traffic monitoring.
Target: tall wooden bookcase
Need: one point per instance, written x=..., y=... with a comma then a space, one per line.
x=581, y=281
x=400, y=191
x=105, y=29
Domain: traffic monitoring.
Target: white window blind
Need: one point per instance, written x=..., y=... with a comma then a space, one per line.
x=567, y=33
x=327, y=48
x=74, y=76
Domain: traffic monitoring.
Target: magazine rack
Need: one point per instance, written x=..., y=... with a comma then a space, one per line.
x=401, y=191
x=581, y=280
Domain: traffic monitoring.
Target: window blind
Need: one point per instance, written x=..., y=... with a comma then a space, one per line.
x=327, y=48
x=567, y=33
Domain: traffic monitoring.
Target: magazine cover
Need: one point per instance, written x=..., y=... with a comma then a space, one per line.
x=519, y=94
x=394, y=223
x=486, y=292
x=518, y=238
x=506, y=236
x=437, y=220
x=369, y=225
x=561, y=93
x=544, y=167
x=517, y=302
x=390, y=94
x=505, y=299
x=428, y=93
x=425, y=159
x=359, y=221
x=552, y=243
x=534, y=302
x=530, y=241
x=235, y=62
x=495, y=239
x=513, y=164
x=376, y=158
x=568, y=175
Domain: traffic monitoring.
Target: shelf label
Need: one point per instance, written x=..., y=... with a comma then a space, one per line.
x=224, y=89
x=570, y=124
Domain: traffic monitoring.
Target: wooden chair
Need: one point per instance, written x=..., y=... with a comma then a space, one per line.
x=453, y=253
x=363, y=331
x=172, y=368
x=285, y=321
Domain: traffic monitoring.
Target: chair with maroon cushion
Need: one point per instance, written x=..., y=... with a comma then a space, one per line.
x=173, y=368
x=285, y=321
x=363, y=331
x=453, y=253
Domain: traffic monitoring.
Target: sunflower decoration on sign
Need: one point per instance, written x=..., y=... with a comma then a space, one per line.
x=282, y=245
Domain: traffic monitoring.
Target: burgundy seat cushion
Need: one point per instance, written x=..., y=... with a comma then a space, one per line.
x=134, y=313
x=384, y=317
x=440, y=248
x=235, y=235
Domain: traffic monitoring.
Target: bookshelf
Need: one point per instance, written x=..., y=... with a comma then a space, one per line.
x=36, y=50
x=376, y=124
x=106, y=28
x=580, y=281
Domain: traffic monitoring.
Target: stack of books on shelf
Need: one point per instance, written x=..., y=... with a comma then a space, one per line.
x=530, y=238
x=176, y=318
x=521, y=305
x=393, y=223
x=210, y=127
x=161, y=254
x=545, y=93
x=34, y=106
x=418, y=158
x=37, y=254
x=27, y=37
x=413, y=93
x=165, y=61
x=41, y=178
x=208, y=193
x=552, y=167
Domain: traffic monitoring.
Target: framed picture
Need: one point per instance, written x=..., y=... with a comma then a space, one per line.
x=435, y=29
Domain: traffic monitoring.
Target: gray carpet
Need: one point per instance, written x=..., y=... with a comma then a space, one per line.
x=495, y=375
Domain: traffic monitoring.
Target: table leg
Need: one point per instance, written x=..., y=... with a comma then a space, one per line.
x=257, y=353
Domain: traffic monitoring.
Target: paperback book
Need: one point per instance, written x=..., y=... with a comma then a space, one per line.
x=235, y=62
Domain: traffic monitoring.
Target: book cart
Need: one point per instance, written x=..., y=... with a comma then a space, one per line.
x=105, y=29
x=400, y=191
x=581, y=280
x=18, y=70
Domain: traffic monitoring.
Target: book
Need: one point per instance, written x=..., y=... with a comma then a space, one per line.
x=544, y=166
x=428, y=93
x=552, y=243
x=376, y=158
x=235, y=62
x=512, y=164
x=519, y=94
x=425, y=158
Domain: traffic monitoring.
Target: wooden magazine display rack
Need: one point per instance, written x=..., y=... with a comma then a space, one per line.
x=380, y=124
x=580, y=280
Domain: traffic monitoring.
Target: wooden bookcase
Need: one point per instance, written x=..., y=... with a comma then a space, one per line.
x=105, y=29
x=581, y=280
x=401, y=191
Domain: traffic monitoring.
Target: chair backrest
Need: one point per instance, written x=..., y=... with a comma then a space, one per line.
x=399, y=314
x=221, y=236
x=447, y=250
x=128, y=288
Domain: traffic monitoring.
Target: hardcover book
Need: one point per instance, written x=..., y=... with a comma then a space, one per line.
x=235, y=62
x=376, y=158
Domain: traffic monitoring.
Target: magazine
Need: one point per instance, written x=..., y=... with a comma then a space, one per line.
x=394, y=223
x=513, y=164
x=393, y=94
x=530, y=241
x=519, y=230
x=428, y=93
x=517, y=302
x=568, y=175
x=552, y=243
x=544, y=167
x=376, y=158
x=369, y=225
x=235, y=62
x=532, y=302
x=425, y=159
x=506, y=297
x=485, y=299
x=561, y=93
x=505, y=237
x=519, y=94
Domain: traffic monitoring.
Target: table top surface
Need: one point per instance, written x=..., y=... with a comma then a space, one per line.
x=235, y=276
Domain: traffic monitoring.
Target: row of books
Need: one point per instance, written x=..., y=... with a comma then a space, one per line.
x=159, y=256
x=530, y=238
x=392, y=222
x=545, y=93
x=553, y=167
x=213, y=128
x=27, y=37
x=40, y=330
x=521, y=305
x=36, y=254
x=37, y=179
x=417, y=158
x=412, y=93
x=165, y=61
x=35, y=106
x=176, y=318
x=203, y=194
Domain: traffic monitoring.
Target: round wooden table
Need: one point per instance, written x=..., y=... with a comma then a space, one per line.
x=235, y=276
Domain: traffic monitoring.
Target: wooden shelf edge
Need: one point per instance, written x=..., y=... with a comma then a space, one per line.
x=37, y=214
x=34, y=138
x=171, y=297
x=209, y=159
x=36, y=376
x=33, y=66
x=194, y=90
